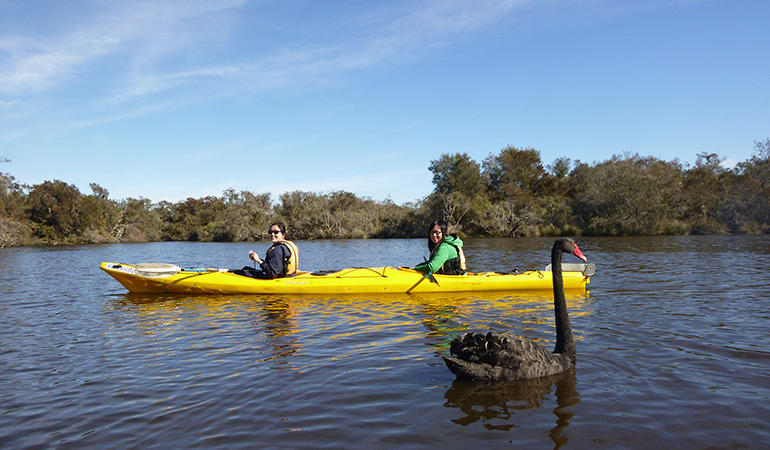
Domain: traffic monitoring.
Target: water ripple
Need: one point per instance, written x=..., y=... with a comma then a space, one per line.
x=672, y=349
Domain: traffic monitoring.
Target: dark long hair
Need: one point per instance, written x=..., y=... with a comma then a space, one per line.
x=280, y=226
x=441, y=225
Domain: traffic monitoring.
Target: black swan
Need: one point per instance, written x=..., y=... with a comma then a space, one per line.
x=479, y=356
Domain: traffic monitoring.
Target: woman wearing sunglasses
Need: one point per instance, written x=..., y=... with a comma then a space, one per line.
x=446, y=252
x=281, y=259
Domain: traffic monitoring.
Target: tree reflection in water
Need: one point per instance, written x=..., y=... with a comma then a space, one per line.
x=495, y=404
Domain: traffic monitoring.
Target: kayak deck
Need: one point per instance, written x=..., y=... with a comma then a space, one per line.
x=359, y=280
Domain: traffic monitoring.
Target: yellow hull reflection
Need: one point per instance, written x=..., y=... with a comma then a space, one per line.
x=287, y=322
x=436, y=310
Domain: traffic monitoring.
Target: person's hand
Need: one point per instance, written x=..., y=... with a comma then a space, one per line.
x=254, y=256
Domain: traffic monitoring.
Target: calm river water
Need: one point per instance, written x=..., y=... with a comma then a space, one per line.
x=672, y=352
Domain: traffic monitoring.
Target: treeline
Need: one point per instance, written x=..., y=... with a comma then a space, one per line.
x=511, y=193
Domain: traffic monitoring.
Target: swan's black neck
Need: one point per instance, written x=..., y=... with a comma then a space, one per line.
x=565, y=343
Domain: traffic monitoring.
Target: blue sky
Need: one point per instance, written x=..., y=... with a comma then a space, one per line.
x=173, y=99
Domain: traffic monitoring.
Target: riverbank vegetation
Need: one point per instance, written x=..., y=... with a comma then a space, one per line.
x=511, y=193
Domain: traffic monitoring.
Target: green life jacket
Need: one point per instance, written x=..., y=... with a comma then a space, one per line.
x=453, y=266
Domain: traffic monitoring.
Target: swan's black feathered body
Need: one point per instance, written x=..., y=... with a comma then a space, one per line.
x=490, y=357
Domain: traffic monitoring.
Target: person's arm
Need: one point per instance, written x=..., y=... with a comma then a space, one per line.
x=273, y=265
x=443, y=254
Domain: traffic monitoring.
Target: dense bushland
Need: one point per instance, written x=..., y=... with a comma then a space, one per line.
x=508, y=194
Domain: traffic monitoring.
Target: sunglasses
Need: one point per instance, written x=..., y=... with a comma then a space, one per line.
x=273, y=231
x=435, y=232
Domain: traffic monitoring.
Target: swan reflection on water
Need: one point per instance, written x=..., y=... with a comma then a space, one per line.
x=495, y=404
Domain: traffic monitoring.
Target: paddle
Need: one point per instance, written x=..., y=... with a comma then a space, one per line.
x=430, y=277
x=162, y=270
x=427, y=275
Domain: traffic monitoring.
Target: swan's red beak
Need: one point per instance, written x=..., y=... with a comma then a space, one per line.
x=579, y=253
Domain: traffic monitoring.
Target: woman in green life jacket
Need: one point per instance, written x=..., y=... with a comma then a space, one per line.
x=446, y=252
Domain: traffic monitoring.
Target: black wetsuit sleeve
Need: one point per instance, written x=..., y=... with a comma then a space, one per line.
x=272, y=267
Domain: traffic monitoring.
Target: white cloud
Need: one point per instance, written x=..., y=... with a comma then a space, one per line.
x=8, y=104
x=11, y=136
x=398, y=39
x=144, y=31
x=148, y=33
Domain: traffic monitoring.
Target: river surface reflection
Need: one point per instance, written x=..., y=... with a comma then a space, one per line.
x=495, y=404
x=671, y=350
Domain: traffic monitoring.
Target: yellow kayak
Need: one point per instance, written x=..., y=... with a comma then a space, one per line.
x=167, y=278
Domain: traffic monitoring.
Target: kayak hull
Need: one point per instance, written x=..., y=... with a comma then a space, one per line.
x=396, y=280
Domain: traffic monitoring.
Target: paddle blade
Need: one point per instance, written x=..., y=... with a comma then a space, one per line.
x=156, y=270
